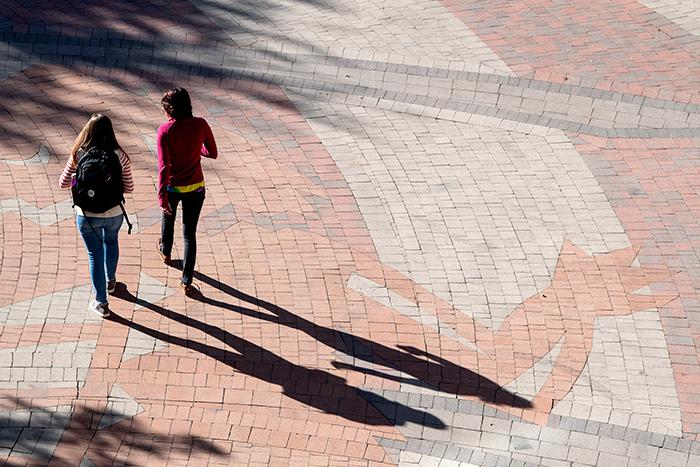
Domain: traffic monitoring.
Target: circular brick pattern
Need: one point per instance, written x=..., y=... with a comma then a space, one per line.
x=437, y=233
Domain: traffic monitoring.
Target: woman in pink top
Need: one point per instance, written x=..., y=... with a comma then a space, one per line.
x=182, y=141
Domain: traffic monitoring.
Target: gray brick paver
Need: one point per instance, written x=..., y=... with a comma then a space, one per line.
x=434, y=131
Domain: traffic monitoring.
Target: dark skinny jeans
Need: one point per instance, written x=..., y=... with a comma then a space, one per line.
x=191, y=208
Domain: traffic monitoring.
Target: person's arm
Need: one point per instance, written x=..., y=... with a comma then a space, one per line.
x=163, y=171
x=127, y=177
x=66, y=179
x=209, y=148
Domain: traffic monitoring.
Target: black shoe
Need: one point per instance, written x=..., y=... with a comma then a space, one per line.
x=100, y=309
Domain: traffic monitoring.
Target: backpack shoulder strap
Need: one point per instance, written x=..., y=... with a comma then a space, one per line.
x=126, y=217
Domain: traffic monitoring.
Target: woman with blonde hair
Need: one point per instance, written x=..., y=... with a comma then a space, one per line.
x=98, y=172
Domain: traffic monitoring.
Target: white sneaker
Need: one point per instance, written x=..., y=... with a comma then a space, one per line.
x=111, y=286
x=99, y=308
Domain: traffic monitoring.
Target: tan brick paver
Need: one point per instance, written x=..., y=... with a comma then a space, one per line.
x=440, y=232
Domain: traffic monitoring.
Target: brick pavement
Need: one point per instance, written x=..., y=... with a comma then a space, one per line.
x=439, y=233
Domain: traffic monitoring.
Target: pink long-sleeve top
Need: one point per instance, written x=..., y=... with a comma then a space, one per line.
x=127, y=180
x=181, y=145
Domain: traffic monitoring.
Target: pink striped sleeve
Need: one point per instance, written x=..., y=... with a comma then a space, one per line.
x=127, y=177
x=67, y=175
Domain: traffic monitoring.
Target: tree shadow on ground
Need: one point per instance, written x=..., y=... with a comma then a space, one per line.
x=312, y=387
x=33, y=432
x=431, y=370
x=133, y=46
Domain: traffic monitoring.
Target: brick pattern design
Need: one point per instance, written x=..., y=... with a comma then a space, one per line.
x=400, y=180
x=426, y=224
x=682, y=12
x=590, y=42
x=357, y=31
x=635, y=203
x=487, y=437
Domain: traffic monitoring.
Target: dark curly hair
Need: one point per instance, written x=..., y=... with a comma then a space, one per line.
x=176, y=103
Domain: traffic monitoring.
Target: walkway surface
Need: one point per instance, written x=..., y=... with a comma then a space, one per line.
x=440, y=233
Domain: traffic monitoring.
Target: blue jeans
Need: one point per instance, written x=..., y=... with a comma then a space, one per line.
x=101, y=237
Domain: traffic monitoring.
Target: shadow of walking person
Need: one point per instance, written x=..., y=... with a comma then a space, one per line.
x=433, y=371
x=313, y=387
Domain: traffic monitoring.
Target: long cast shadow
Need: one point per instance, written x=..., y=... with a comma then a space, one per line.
x=313, y=387
x=432, y=370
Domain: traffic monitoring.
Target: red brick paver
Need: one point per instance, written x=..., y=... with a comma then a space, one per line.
x=620, y=45
x=331, y=327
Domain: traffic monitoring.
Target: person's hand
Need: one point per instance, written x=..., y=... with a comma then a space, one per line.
x=165, y=207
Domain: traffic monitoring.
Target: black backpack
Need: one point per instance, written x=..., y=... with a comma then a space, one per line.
x=98, y=183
